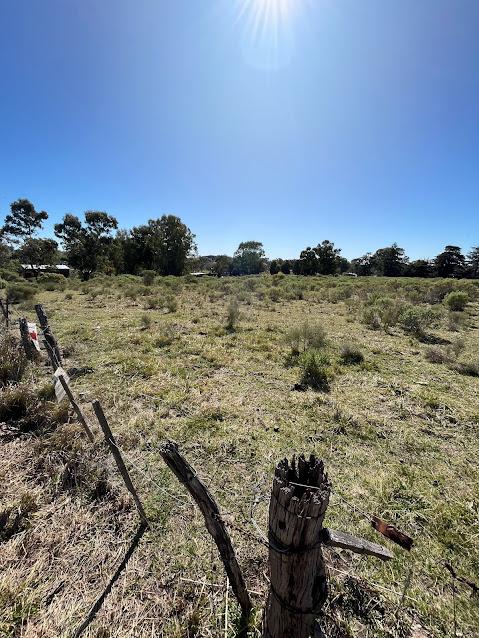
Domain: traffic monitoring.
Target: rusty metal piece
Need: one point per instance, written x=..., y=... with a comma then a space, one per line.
x=391, y=532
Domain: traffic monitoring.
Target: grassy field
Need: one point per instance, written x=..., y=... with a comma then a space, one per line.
x=218, y=365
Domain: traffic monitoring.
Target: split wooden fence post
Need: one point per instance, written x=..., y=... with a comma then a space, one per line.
x=298, y=584
x=30, y=350
x=47, y=333
x=214, y=523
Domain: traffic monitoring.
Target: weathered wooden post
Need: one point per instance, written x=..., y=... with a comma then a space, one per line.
x=47, y=333
x=298, y=585
x=30, y=351
x=4, y=308
x=214, y=523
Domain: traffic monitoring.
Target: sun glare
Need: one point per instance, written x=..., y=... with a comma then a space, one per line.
x=268, y=30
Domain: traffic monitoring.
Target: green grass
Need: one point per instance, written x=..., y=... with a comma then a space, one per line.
x=398, y=435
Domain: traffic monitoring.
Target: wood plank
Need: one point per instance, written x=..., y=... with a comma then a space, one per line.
x=355, y=544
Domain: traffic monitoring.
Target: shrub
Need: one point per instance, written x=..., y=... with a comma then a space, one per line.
x=456, y=321
x=232, y=315
x=171, y=303
x=148, y=277
x=12, y=361
x=52, y=281
x=165, y=338
x=20, y=291
x=146, y=321
x=306, y=336
x=470, y=369
x=381, y=312
x=415, y=319
x=152, y=303
x=457, y=301
x=351, y=354
x=437, y=355
x=9, y=275
x=315, y=370
x=22, y=409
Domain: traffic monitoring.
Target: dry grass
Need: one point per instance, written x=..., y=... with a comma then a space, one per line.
x=398, y=435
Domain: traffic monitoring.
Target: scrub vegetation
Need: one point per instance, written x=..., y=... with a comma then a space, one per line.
x=377, y=376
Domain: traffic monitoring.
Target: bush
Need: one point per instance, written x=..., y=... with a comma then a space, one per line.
x=306, y=336
x=165, y=338
x=381, y=312
x=351, y=354
x=153, y=303
x=232, y=315
x=171, y=304
x=456, y=321
x=148, y=277
x=470, y=369
x=22, y=409
x=437, y=355
x=146, y=321
x=9, y=275
x=315, y=370
x=456, y=301
x=52, y=281
x=415, y=319
x=12, y=361
x=20, y=291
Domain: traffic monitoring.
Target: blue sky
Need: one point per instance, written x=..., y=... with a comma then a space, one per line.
x=285, y=121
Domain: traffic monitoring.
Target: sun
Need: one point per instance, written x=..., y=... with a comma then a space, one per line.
x=267, y=27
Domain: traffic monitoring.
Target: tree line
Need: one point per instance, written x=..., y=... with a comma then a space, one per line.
x=167, y=246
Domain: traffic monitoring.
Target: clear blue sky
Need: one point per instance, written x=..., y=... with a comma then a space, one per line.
x=285, y=121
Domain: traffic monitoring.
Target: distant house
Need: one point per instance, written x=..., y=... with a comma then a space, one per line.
x=200, y=274
x=349, y=274
x=29, y=271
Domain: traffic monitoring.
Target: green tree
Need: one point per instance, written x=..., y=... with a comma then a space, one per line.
x=308, y=262
x=362, y=266
x=274, y=267
x=40, y=251
x=419, y=268
x=21, y=225
x=342, y=264
x=390, y=261
x=170, y=242
x=450, y=263
x=473, y=262
x=222, y=265
x=285, y=267
x=327, y=257
x=249, y=258
x=87, y=245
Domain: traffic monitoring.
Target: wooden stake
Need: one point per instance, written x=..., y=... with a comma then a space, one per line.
x=76, y=407
x=47, y=333
x=30, y=350
x=214, y=523
x=298, y=584
x=118, y=458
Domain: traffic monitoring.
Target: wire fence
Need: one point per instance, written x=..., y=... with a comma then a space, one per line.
x=13, y=318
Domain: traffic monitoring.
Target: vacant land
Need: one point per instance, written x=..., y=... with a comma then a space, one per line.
x=379, y=377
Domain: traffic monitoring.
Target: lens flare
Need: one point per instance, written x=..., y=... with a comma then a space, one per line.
x=267, y=30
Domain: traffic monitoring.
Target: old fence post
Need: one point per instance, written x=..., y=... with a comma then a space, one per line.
x=30, y=350
x=4, y=307
x=47, y=333
x=214, y=523
x=298, y=585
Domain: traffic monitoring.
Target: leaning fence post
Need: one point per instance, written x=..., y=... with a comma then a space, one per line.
x=76, y=407
x=298, y=584
x=30, y=350
x=4, y=308
x=214, y=523
x=47, y=333
x=108, y=434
